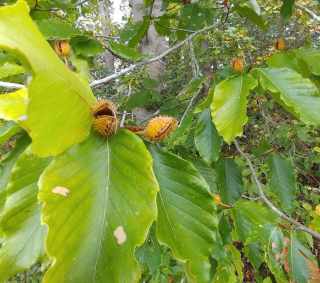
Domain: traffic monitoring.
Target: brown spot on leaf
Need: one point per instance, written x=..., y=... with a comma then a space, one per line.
x=61, y=191
x=120, y=235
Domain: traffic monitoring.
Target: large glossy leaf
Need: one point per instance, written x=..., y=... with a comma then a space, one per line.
x=229, y=181
x=88, y=48
x=59, y=111
x=206, y=137
x=283, y=59
x=187, y=218
x=111, y=204
x=204, y=169
x=282, y=181
x=295, y=93
x=24, y=236
x=7, y=164
x=13, y=104
x=8, y=130
x=312, y=57
x=193, y=16
x=251, y=15
x=229, y=105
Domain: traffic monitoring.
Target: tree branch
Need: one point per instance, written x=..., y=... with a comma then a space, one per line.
x=307, y=11
x=118, y=74
x=298, y=225
x=11, y=85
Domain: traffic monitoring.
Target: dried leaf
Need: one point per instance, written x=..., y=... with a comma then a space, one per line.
x=314, y=269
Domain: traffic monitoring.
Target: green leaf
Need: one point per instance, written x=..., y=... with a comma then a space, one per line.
x=187, y=218
x=52, y=29
x=124, y=51
x=271, y=237
x=88, y=48
x=315, y=223
x=150, y=252
x=286, y=9
x=251, y=15
x=24, y=236
x=150, y=83
x=139, y=99
x=228, y=108
x=237, y=262
x=229, y=181
x=82, y=66
x=135, y=32
x=263, y=147
x=206, y=137
x=191, y=88
x=110, y=207
x=312, y=57
x=282, y=181
x=203, y=168
x=295, y=93
x=8, y=130
x=60, y=107
x=178, y=132
x=10, y=69
x=13, y=104
x=207, y=103
x=283, y=59
x=297, y=254
x=7, y=164
x=192, y=16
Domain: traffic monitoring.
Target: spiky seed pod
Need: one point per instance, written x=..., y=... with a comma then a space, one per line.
x=217, y=198
x=62, y=48
x=105, y=122
x=237, y=65
x=105, y=107
x=279, y=44
x=105, y=125
x=160, y=127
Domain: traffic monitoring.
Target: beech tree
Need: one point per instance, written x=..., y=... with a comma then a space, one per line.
x=180, y=146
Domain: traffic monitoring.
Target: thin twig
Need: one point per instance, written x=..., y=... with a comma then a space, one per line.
x=298, y=225
x=189, y=105
x=150, y=116
x=108, y=37
x=171, y=28
x=133, y=66
x=125, y=112
x=11, y=85
x=307, y=11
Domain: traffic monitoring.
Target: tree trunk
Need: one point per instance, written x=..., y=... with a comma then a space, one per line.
x=153, y=43
x=105, y=7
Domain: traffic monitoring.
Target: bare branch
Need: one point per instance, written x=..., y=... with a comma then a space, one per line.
x=108, y=37
x=11, y=85
x=298, y=225
x=133, y=66
x=189, y=105
x=256, y=6
x=125, y=112
x=307, y=11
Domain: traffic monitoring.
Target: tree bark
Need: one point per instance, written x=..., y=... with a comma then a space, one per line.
x=105, y=9
x=151, y=43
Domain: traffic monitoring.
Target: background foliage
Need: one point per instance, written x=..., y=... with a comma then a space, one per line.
x=231, y=196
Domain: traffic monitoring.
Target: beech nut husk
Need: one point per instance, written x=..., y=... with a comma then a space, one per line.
x=160, y=127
